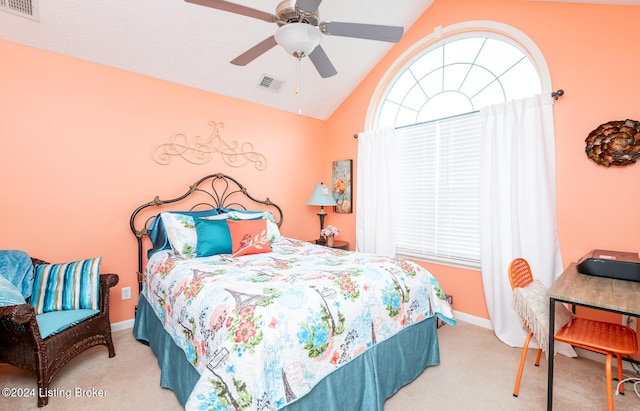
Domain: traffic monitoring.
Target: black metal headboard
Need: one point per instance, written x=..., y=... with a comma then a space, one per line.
x=212, y=191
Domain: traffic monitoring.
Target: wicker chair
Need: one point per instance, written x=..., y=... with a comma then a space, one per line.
x=598, y=336
x=21, y=344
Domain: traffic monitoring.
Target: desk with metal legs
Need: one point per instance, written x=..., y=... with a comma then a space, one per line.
x=607, y=294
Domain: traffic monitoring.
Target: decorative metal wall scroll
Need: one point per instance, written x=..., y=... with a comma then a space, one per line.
x=616, y=143
x=199, y=150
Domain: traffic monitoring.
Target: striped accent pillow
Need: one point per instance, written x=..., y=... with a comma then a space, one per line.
x=68, y=286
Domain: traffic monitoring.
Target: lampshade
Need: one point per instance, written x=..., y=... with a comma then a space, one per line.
x=321, y=196
x=298, y=39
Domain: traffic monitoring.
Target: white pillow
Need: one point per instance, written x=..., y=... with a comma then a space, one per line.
x=181, y=232
x=532, y=305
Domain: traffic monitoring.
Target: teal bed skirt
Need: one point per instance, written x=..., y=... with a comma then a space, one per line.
x=362, y=384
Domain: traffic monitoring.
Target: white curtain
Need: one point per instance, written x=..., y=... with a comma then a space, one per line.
x=517, y=204
x=375, y=192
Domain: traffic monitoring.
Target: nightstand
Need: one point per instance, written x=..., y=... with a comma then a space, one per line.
x=343, y=245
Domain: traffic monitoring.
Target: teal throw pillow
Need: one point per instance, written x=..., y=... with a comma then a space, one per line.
x=213, y=237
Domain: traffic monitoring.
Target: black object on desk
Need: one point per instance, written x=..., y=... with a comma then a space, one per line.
x=611, y=264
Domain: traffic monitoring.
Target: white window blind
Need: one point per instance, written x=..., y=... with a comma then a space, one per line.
x=438, y=190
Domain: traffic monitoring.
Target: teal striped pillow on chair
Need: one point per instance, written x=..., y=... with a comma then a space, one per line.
x=68, y=286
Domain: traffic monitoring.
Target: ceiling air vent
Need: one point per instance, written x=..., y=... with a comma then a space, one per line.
x=24, y=8
x=269, y=83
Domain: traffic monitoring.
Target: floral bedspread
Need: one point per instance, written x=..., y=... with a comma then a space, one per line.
x=263, y=329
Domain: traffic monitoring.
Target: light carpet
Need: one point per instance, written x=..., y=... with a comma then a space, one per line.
x=477, y=372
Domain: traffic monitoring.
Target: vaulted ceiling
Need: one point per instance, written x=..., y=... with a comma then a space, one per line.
x=193, y=45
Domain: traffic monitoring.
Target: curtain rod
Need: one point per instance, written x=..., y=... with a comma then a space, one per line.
x=556, y=95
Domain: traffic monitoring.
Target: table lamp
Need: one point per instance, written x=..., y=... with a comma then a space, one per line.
x=321, y=197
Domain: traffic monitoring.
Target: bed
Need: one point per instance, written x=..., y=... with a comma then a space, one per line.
x=241, y=317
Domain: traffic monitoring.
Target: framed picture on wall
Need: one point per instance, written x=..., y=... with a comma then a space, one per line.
x=342, y=170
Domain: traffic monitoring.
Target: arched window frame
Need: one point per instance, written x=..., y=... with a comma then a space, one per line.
x=465, y=29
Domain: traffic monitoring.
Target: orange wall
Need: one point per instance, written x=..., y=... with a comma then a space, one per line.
x=76, y=157
x=590, y=53
x=76, y=142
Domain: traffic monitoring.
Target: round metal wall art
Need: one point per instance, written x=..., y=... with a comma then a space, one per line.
x=616, y=143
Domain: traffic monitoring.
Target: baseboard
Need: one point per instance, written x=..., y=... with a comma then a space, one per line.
x=122, y=325
x=472, y=319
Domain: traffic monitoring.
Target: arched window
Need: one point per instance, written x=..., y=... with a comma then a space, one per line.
x=432, y=96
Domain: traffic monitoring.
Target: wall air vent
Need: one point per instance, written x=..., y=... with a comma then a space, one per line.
x=24, y=8
x=269, y=83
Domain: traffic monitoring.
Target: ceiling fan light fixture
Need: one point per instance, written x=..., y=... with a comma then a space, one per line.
x=298, y=39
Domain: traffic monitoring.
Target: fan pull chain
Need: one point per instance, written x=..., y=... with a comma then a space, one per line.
x=297, y=90
x=298, y=76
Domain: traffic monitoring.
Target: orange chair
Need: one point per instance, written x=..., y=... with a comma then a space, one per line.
x=520, y=276
x=599, y=336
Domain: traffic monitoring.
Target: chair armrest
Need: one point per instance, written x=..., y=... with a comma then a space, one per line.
x=19, y=314
x=106, y=282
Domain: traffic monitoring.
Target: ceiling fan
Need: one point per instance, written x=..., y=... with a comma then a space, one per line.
x=300, y=30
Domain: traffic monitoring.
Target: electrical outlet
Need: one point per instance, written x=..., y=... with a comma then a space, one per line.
x=126, y=293
x=630, y=321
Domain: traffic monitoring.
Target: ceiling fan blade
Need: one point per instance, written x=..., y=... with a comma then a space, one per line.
x=308, y=6
x=255, y=52
x=322, y=63
x=237, y=9
x=392, y=34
